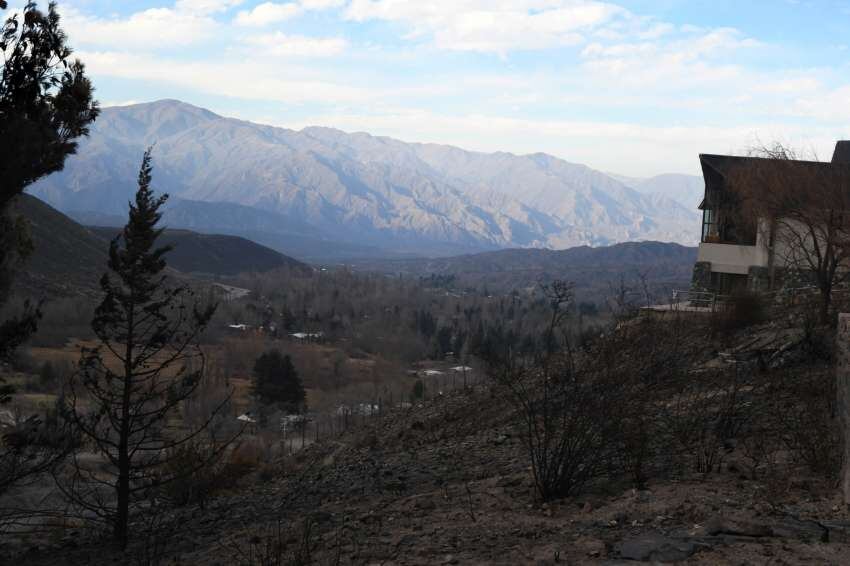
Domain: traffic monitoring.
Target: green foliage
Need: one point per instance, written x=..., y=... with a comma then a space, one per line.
x=45, y=105
x=276, y=381
x=46, y=100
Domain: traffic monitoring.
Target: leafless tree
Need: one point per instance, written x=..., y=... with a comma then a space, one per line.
x=560, y=406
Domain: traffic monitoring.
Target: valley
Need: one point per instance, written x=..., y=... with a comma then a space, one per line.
x=402, y=283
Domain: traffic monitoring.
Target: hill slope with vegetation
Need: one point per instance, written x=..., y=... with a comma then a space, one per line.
x=665, y=266
x=69, y=258
x=687, y=457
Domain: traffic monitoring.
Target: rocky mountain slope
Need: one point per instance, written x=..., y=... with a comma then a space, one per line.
x=357, y=188
x=687, y=190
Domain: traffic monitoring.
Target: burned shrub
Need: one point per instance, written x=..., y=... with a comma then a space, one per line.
x=808, y=419
x=561, y=409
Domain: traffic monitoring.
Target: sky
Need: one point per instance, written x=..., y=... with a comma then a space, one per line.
x=634, y=87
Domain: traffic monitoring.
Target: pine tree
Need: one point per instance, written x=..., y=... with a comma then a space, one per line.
x=276, y=381
x=46, y=103
x=148, y=362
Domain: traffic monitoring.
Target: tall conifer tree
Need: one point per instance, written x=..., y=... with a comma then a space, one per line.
x=148, y=362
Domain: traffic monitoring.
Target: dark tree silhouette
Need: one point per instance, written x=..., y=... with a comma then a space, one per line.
x=46, y=102
x=148, y=362
x=276, y=381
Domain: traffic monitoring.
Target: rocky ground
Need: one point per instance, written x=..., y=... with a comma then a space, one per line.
x=448, y=483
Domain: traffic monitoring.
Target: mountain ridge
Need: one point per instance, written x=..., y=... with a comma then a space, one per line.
x=361, y=189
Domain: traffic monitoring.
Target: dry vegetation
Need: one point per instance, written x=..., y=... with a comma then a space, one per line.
x=707, y=439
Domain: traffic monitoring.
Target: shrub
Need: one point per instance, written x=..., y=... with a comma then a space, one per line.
x=194, y=483
x=808, y=420
x=564, y=412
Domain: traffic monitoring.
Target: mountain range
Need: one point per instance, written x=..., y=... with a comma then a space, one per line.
x=321, y=193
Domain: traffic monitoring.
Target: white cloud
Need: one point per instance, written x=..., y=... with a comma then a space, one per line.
x=206, y=6
x=160, y=27
x=654, y=90
x=495, y=26
x=321, y=4
x=268, y=13
x=282, y=45
x=246, y=80
x=682, y=60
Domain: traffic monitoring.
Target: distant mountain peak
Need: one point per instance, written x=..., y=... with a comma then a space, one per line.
x=359, y=188
x=171, y=104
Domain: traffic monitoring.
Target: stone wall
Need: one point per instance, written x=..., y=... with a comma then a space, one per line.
x=701, y=277
x=758, y=279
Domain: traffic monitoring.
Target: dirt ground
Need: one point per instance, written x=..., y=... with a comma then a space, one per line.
x=449, y=483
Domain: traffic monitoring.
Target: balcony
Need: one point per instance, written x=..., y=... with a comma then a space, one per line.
x=732, y=258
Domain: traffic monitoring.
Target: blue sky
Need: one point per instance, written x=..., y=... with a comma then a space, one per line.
x=636, y=87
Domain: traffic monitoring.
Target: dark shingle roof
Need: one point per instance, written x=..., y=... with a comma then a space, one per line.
x=842, y=152
x=718, y=170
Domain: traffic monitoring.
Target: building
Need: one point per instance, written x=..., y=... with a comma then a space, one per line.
x=737, y=252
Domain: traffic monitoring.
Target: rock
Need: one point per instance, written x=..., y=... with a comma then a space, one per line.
x=509, y=481
x=802, y=529
x=320, y=517
x=592, y=546
x=720, y=526
x=656, y=548
x=424, y=504
x=838, y=531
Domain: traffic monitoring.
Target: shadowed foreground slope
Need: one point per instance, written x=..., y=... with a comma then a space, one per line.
x=448, y=482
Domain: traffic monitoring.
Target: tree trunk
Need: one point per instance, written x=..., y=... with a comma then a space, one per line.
x=842, y=376
x=122, y=515
x=826, y=302
x=122, y=486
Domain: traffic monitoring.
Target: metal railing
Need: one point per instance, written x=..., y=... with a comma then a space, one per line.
x=718, y=301
x=704, y=299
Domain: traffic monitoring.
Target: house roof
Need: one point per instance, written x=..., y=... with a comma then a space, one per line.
x=842, y=152
x=717, y=169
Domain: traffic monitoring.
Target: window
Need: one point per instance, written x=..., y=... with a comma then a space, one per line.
x=709, y=226
x=723, y=227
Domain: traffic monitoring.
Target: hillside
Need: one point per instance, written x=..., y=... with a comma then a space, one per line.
x=263, y=227
x=363, y=190
x=212, y=254
x=69, y=258
x=448, y=480
x=592, y=269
